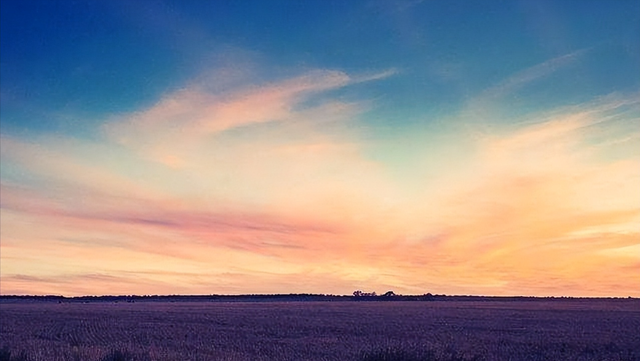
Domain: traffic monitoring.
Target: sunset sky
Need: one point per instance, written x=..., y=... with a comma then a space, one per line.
x=234, y=147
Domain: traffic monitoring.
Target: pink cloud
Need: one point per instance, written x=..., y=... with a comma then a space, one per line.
x=194, y=113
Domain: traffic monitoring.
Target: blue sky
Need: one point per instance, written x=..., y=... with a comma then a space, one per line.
x=358, y=117
x=92, y=58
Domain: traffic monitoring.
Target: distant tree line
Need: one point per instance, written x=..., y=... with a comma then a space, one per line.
x=292, y=297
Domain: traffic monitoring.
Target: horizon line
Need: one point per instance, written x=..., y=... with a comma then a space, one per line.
x=434, y=295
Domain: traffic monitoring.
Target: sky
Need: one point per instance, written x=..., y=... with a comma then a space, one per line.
x=250, y=147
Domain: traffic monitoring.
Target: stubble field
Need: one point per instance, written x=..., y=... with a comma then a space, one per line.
x=348, y=330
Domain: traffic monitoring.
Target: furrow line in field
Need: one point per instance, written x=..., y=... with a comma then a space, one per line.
x=92, y=332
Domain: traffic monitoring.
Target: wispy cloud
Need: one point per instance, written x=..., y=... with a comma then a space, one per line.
x=532, y=74
x=189, y=129
x=486, y=102
x=197, y=113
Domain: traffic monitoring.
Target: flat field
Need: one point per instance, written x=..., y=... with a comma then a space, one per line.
x=584, y=329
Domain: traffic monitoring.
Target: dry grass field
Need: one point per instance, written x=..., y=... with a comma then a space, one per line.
x=605, y=330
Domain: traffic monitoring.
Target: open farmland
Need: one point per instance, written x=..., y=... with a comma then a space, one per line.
x=346, y=330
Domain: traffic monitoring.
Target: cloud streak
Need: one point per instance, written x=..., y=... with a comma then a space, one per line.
x=195, y=114
x=531, y=74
